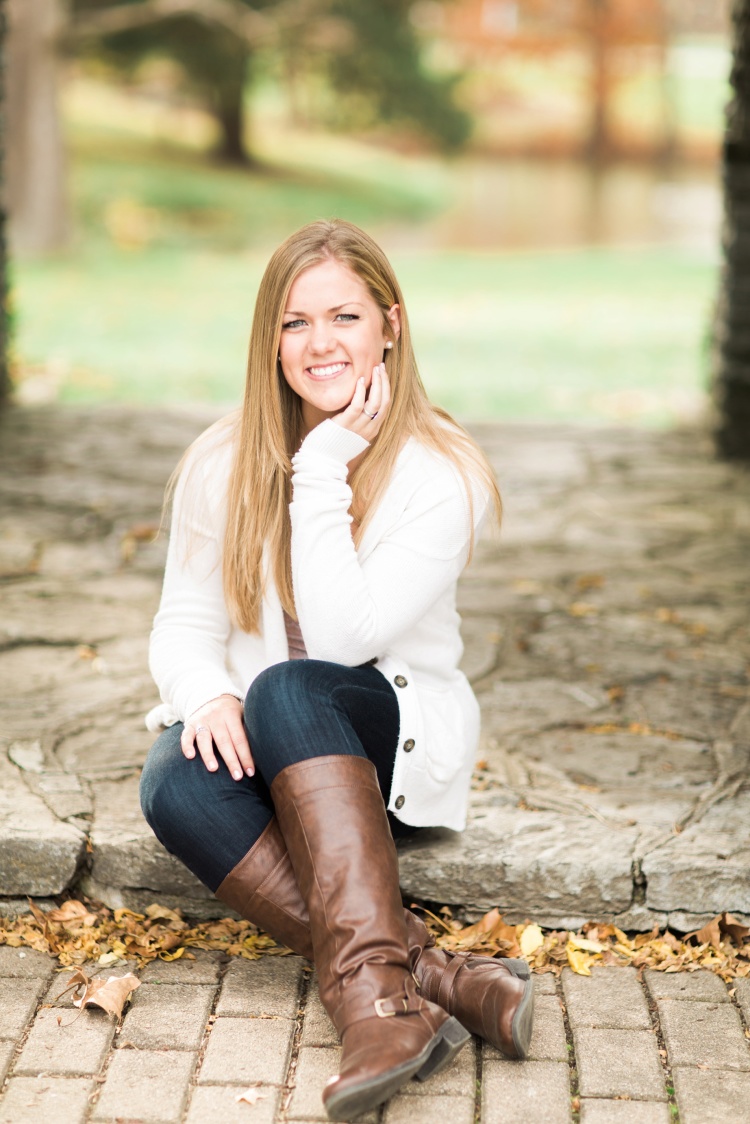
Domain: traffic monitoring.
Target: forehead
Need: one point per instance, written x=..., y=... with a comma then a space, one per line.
x=327, y=285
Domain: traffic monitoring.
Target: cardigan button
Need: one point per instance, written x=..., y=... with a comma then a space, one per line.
x=400, y=801
x=400, y=681
x=409, y=745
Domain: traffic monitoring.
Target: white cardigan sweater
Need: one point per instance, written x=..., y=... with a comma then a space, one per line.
x=392, y=600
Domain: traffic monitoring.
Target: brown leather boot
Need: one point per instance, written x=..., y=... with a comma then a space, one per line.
x=331, y=814
x=262, y=889
x=491, y=998
x=477, y=990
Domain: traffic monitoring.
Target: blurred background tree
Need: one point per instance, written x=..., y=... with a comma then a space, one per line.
x=732, y=326
x=543, y=174
x=368, y=49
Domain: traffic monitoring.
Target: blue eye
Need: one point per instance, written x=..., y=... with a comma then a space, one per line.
x=292, y=324
x=347, y=316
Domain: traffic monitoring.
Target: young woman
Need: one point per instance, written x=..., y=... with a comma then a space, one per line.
x=306, y=650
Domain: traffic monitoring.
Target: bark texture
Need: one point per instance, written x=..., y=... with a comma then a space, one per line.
x=4, y=375
x=35, y=166
x=731, y=381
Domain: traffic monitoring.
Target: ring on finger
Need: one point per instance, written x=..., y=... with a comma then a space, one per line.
x=371, y=416
x=202, y=730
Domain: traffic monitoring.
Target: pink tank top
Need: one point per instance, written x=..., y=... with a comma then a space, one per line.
x=297, y=649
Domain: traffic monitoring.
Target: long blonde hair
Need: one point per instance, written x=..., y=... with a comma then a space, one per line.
x=269, y=428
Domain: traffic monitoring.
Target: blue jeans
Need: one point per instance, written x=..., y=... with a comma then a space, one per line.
x=293, y=711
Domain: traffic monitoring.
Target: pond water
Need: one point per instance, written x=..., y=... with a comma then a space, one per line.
x=516, y=204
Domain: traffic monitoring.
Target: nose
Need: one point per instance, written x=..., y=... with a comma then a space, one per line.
x=321, y=339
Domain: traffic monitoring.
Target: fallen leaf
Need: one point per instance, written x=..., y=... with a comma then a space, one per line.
x=111, y=994
x=531, y=939
x=583, y=945
x=158, y=912
x=72, y=913
x=579, y=961
x=251, y=1096
x=736, y=930
x=709, y=934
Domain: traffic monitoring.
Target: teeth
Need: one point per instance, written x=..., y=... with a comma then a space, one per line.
x=332, y=370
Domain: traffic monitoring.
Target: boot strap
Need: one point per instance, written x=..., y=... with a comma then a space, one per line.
x=445, y=989
x=389, y=1007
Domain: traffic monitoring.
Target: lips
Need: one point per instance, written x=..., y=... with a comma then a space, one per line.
x=330, y=371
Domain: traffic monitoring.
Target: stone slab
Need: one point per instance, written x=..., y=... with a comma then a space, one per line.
x=317, y=1028
x=25, y=963
x=742, y=996
x=147, y=1086
x=204, y=969
x=167, y=1018
x=705, y=1034
x=400, y=1109
x=314, y=1067
x=220, y=1103
x=700, y=986
x=76, y=1045
x=7, y=1050
x=548, y=1041
x=712, y=1097
x=530, y=861
x=18, y=1000
x=268, y=986
x=707, y=863
x=29, y=1100
x=515, y=1093
x=610, y=998
x=624, y=1112
x=618, y=1063
x=126, y=852
x=247, y=1051
x=124, y=897
x=39, y=854
x=457, y=1079
x=606, y=630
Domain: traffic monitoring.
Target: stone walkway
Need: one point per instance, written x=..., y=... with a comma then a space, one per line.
x=606, y=635
x=607, y=638
x=609, y=1049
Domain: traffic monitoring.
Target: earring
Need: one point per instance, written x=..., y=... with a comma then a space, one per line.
x=389, y=344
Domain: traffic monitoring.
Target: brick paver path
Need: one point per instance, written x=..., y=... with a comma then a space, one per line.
x=608, y=1048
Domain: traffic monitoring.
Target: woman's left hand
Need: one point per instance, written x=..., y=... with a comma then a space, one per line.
x=368, y=408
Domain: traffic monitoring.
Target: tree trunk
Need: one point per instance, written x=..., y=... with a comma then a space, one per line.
x=599, y=141
x=35, y=155
x=229, y=109
x=231, y=120
x=731, y=383
x=4, y=376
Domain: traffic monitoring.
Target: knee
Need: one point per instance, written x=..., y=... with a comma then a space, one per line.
x=284, y=696
x=278, y=687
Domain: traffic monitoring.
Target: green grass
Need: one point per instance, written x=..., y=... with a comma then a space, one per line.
x=580, y=334
x=153, y=304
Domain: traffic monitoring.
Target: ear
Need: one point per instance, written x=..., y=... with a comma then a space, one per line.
x=393, y=316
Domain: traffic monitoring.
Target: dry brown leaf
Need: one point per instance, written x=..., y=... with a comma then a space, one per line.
x=251, y=1096
x=72, y=913
x=158, y=912
x=111, y=994
x=531, y=939
x=709, y=934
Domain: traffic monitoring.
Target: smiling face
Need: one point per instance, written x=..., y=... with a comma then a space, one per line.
x=332, y=333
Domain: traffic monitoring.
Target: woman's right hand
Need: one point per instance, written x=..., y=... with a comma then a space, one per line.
x=219, y=724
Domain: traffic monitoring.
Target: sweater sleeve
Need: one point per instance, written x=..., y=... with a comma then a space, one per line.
x=350, y=612
x=187, y=650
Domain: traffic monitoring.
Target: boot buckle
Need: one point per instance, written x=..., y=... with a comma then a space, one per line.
x=382, y=1013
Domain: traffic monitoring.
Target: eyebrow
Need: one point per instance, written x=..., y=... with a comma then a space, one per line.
x=336, y=308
